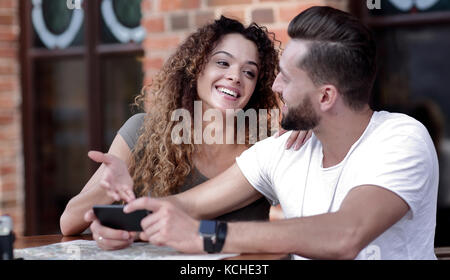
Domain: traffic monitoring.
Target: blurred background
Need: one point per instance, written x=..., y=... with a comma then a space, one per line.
x=69, y=72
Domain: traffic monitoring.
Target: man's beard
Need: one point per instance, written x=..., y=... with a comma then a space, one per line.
x=302, y=117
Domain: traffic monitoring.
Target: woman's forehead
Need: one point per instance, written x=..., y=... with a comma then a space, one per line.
x=237, y=45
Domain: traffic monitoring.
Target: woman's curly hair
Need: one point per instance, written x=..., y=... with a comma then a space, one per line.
x=157, y=164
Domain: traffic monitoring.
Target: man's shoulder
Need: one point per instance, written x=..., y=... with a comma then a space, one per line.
x=394, y=133
x=400, y=120
x=389, y=125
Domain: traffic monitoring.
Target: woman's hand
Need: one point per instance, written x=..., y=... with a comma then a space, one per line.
x=167, y=225
x=115, y=179
x=108, y=238
x=296, y=139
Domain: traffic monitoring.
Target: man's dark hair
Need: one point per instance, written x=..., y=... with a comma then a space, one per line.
x=341, y=51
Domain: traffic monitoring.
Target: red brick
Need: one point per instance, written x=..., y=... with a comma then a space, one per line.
x=153, y=63
x=161, y=43
x=8, y=4
x=154, y=25
x=281, y=35
x=235, y=14
x=147, y=6
x=7, y=102
x=7, y=149
x=6, y=117
x=179, y=21
x=7, y=169
x=7, y=85
x=6, y=19
x=203, y=18
x=8, y=134
x=213, y=3
x=7, y=34
x=8, y=52
x=7, y=69
x=287, y=13
x=264, y=15
x=8, y=187
x=176, y=5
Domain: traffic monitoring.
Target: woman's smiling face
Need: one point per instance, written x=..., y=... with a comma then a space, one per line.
x=230, y=75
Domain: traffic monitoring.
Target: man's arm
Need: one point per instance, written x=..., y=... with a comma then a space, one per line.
x=366, y=212
x=224, y=193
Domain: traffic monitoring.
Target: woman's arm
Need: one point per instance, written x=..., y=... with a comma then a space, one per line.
x=72, y=220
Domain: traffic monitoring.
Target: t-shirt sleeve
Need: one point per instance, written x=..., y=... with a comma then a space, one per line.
x=255, y=163
x=404, y=163
x=130, y=130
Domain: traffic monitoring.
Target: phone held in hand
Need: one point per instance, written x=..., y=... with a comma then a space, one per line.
x=112, y=216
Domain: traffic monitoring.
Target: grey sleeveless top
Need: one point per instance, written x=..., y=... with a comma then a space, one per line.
x=258, y=210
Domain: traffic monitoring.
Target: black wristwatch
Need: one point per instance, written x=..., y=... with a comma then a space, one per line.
x=214, y=234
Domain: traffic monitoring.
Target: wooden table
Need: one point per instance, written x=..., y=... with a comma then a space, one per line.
x=442, y=253
x=41, y=240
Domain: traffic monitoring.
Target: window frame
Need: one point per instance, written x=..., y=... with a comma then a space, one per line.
x=359, y=9
x=92, y=51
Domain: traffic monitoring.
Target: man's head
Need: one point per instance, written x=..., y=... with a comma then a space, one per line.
x=331, y=53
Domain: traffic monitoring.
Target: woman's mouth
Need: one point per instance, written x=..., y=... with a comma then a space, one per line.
x=228, y=92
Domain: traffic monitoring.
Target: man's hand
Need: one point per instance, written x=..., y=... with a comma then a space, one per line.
x=115, y=179
x=168, y=225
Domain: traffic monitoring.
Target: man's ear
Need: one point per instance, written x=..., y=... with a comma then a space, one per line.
x=327, y=97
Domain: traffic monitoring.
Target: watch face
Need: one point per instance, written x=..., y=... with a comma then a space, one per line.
x=208, y=227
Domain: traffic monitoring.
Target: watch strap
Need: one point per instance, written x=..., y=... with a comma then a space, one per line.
x=221, y=234
x=208, y=245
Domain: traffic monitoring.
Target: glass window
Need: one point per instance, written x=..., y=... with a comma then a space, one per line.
x=395, y=7
x=120, y=21
x=62, y=137
x=55, y=25
x=122, y=81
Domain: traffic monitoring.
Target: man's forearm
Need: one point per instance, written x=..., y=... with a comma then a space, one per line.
x=319, y=237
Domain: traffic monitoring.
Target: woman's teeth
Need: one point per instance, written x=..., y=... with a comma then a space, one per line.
x=228, y=92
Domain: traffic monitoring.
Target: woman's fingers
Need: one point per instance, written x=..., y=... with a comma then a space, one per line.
x=292, y=139
x=297, y=138
x=111, y=244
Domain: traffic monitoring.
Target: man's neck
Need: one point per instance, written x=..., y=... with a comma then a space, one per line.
x=338, y=133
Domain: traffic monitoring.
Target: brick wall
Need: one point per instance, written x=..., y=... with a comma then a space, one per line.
x=11, y=157
x=168, y=22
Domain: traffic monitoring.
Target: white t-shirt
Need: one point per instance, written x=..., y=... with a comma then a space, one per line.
x=394, y=152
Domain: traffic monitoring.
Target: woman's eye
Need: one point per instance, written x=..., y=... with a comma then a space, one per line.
x=222, y=63
x=250, y=74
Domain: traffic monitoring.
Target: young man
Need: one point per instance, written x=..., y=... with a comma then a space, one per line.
x=364, y=186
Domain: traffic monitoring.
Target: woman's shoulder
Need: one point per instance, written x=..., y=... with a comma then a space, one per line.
x=130, y=130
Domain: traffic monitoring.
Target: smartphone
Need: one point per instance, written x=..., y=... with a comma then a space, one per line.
x=112, y=216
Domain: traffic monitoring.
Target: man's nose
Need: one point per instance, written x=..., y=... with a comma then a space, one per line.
x=276, y=87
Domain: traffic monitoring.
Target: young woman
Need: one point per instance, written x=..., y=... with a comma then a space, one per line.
x=225, y=66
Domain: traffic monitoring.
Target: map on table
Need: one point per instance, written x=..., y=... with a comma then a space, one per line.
x=88, y=250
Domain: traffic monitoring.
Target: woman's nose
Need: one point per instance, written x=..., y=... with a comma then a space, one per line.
x=233, y=75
